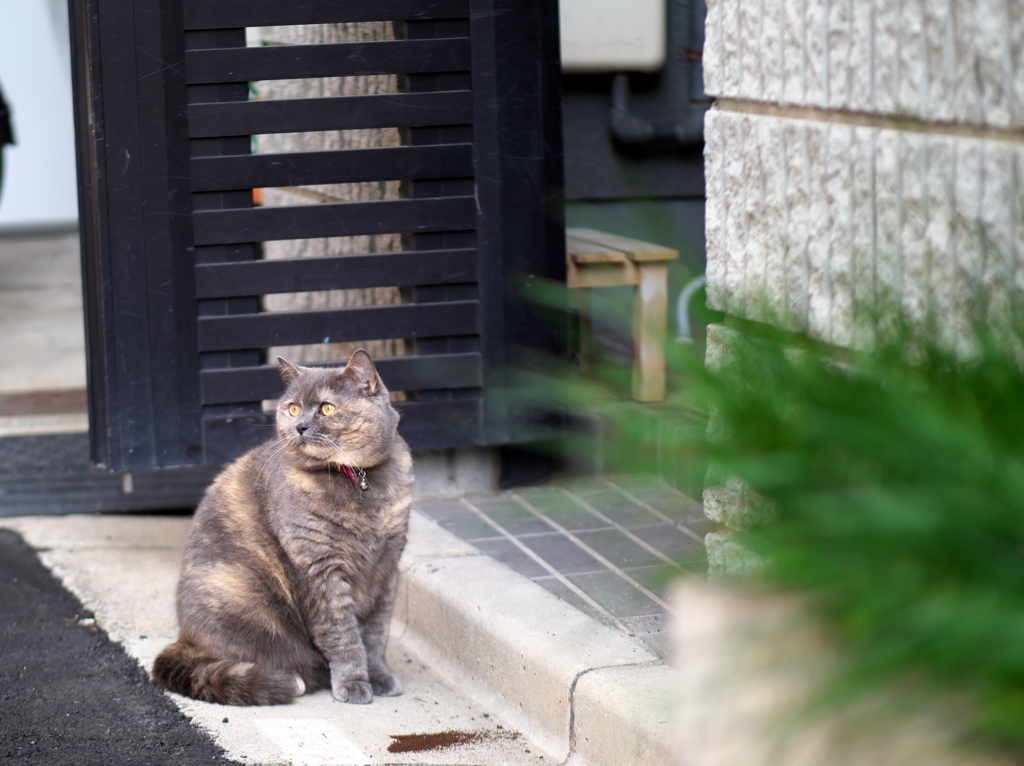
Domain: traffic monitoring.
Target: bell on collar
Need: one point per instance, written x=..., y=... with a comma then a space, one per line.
x=363, y=485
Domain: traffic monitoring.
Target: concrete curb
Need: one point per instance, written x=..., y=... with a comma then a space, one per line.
x=589, y=694
x=582, y=693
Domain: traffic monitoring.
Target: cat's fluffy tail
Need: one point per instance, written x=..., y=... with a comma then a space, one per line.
x=188, y=670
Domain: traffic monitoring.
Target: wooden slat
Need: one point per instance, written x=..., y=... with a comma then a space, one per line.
x=581, y=251
x=389, y=110
x=285, y=62
x=261, y=224
x=602, y=274
x=288, y=328
x=249, y=171
x=424, y=425
x=403, y=373
x=434, y=425
x=43, y=402
x=226, y=14
x=295, y=275
x=635, y=249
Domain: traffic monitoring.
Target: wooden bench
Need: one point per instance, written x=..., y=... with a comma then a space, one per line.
x=597, y=259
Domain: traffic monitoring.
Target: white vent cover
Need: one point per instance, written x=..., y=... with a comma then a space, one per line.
x=612, y=35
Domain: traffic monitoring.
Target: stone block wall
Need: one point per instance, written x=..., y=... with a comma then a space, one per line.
x=862, y=150
x=937, y=61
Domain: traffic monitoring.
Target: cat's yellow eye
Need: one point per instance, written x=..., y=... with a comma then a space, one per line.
x=294, y=410
x=326, y=408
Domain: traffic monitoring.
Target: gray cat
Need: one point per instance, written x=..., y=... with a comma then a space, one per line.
x=290, y=566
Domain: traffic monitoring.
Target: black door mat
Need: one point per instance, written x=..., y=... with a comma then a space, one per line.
x=52, y=474
x=69, y=696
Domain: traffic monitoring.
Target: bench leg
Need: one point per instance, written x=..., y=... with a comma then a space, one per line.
x=650, y=316
x=582, y=301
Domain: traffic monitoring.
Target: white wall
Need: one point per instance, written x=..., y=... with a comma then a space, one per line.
x=39, y=187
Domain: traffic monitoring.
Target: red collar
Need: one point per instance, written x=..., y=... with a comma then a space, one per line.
x=356, y=475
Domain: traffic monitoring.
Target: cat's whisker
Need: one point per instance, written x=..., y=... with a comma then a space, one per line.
x=347, y=457
x=284, y=446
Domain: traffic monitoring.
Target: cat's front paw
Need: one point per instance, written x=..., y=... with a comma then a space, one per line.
x=358, y=692
x=386, y=685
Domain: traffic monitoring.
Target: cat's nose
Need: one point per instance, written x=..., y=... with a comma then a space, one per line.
x=301, y=428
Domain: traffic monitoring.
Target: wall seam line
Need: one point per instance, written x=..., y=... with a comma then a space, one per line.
x=866, y=119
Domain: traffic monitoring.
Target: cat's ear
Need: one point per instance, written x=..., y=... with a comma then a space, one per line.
x=361, y=370
x=289, y=371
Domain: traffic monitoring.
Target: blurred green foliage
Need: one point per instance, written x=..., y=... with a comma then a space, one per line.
x=893, y=489
x=895, y=483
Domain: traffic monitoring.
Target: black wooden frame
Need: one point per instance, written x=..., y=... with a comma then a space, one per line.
x=171, y=240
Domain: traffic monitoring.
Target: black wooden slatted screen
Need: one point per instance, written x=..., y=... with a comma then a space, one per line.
x=172, y=241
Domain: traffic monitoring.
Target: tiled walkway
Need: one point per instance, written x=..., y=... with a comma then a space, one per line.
x=607, y=546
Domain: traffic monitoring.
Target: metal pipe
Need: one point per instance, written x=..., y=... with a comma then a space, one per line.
x=684, y=333
x=636, y=131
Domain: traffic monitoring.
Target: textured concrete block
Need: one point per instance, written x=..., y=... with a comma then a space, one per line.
x=732, y=49
x=720, y=340
x=728, y=558
x=736, y=127
x=816, y=50
x=728, y=500
x=966, y=31
x=773, y=239
x=860, y=63
x=750, y=85
x=719, y=355
x=994, y=70
x=1015, y=33
x=755, y=224
x=712, y=56
x=911, y=72
x=714, y=208
x=839, y=42
x=997, y=230
x=794, y=55
x=819, y=294
x=966, y=244
x=798, y=194
x=913, y=212
x=939, y=231
x=862, y=235
x=938, y=51
x=1017, y=220
x=838, y=195
x=773, y=76
x=886, y=47
x=732, y=503
x=947, y=60
x=887, y=253
x=822, y=221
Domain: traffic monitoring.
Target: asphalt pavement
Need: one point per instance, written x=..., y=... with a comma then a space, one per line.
x=70, y=695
